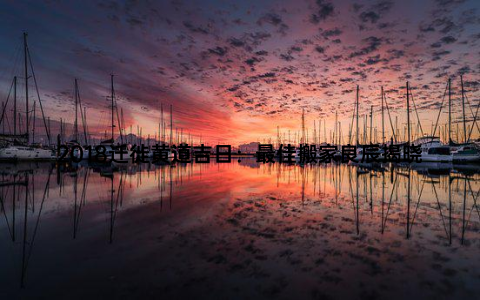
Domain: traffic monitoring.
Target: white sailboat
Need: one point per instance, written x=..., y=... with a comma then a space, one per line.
x=19, y=148
x=25, y=153
x=433, y=150
x=468, y=152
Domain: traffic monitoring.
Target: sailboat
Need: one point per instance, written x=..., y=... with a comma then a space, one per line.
x=468, y=151
x=161, y=133
x=79, y=152
x=434, y=151
x=360, y=147
x=303, y=142
x=20, y=149
x=25, y=153
x=337, y=156
x=109, y=144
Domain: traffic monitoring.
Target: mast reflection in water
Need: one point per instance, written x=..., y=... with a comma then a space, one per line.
x=241, y=229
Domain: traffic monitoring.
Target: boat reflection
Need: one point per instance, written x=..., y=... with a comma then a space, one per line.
x=432, y=203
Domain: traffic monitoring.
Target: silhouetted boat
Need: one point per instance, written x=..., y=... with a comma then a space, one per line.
x=19, y=148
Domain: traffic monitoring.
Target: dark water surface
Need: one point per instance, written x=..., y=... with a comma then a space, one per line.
x=239, y=230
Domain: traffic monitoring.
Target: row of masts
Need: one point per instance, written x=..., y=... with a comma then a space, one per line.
x=367, y=134
x=20, y=123
x=17, y=136
x=370, y=134
x=138, y=138
x=24, y=132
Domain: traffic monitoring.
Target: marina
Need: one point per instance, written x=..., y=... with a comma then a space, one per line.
x=20, y=147
x=311, y=149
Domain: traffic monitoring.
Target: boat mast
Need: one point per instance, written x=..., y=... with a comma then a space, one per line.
x=83, y=114
x=25, y=51
x=112, y=93
x=163, y=123
x=335, y=128
x=340, y=134
x=122, y=127
x=76, y=111
x=357, y=115
x=61, y=131
x=14, y=106
x=449, y=111
x=371, y=122
x=28, y=61
x=85, y=128
x=365, y=130
x=396, y=127
x=383, y=119
x=319, y=133
x=171, y=125
x=463, y=107
x=303, y=126
x=49, y=128
x=408, y=115
x=33, y=127
x=278, y=136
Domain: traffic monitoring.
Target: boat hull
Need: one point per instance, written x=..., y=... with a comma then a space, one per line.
x=459, y=158
x=436, y=158
x=25, y=153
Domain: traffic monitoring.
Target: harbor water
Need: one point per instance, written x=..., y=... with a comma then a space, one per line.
x=241, y=229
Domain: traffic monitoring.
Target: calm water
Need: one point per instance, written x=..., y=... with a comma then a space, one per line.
x=239, y=230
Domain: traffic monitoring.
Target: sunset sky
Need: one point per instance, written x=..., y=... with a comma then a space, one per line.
x=235, y=70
